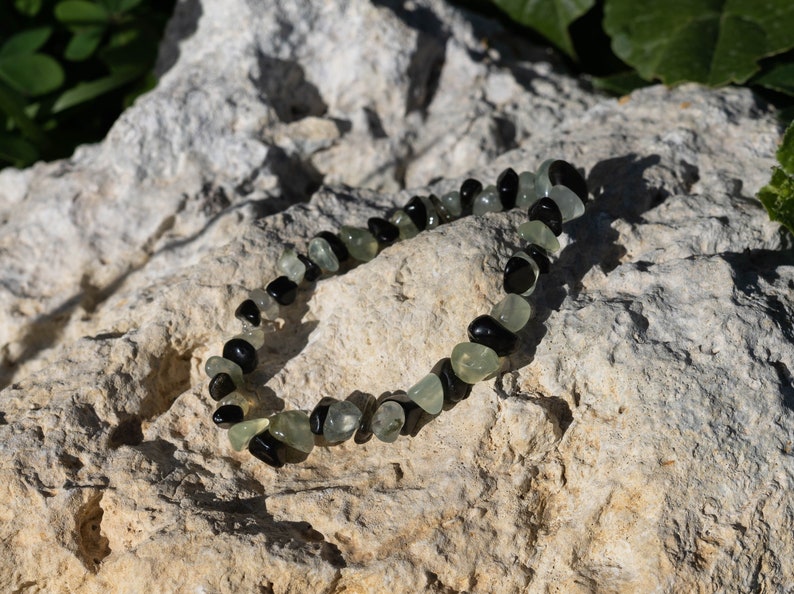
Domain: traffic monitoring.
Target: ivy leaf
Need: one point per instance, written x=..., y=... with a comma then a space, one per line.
x=550, y=18
x=31, y=74
x=26, y=42
x=714, y=42
x=780, y=78
x=778, y=195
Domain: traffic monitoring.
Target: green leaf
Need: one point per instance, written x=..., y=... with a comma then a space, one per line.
x=28, y=7
x=26, y=42
x=785, y=152
x=31, y=74
x=119, y=6
x=622, y=83
x=18, y=151
x=79, y=13
x=13, y=105
x=137, y=55
x=780, y=78
x=550, y=18
x=714, y=42
x=778, y=195
x=87, y=91
x=82, y=45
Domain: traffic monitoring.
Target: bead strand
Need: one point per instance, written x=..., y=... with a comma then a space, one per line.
x=555, y=194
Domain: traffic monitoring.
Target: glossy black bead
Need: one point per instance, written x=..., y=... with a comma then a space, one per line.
x=339, y=248
x=486, y=331
x=319, y=414
x=563, y=173
x=547, y=212
x=468, y=192
x=538, y=254
x=413, y=412
x=507, y=186
x=519, y=276
x=313, y=272
x=221, y=385
x=417, y=212
x=227, y=415
x=385, y=233
x=242, y=352
x=282, y=290
x=455, y=389
x=268, y=449
x=248, y=311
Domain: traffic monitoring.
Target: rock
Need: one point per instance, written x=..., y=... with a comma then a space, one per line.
x=640, y=439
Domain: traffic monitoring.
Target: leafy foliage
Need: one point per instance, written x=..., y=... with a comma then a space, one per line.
x=778, y=195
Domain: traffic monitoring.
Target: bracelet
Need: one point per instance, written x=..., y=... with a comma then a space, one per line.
x=555, y=194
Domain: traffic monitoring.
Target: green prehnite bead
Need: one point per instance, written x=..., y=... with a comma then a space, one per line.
x=542, y=182
x=428, y=393
x=254, y=335
x=486, y=201
x=538, y=233
x=216, y=365
x=433, y=220
x=569, y=203
x=526, y=190
x=361, y=244
x=291, y=266
x=512, y=312
x=387, y=421
x=292, y=427
x=241, y=433
x=404, y=224
x=268, y=307
x=473, y=362
x=451, y=201
x=237, y=399
x=342, y=421
x=320, y=253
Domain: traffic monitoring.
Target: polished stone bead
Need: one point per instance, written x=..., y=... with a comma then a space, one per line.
x=538, y=233
x=256, y=336
x=542, y=182
x=313, y=272
x=404, y=223
x=513, y=312
x=338, y=247
x=526, y=190
x=563, y=173
x=388, y=421
x=417, y=211
x=473, y=362
x=236, y=399
x=267, y=448
x=487, y=331
x=521, y=275
x=240, y=434
x=360, y=243
x=433, y=218
x=569, y=203
x=428, y=393
x=368, y=405
x=452, y=204
x=443, y=215
x=538, y=254
x=248, y=312
x=469, y=190
x=292, y=427
x=385, y=233
x=455, y=389
x=319, y=414
x=342, y=421
x=412, y=411
x=268, y=307
x=216, y=365
x=547, y=212
x=221, y=385
x=241, y=352
x=507, y=187
x=227, y=415
x=291, y=266
x=282, y=290
x=321, y=253
x=486, y=201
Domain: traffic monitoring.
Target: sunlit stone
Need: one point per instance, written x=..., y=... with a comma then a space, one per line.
x=387, y=421
x=473, y=362
x=428, y=393
x=538, y=233
x=569, y=203
x=320, y=253
x=292, y=427
x=513, y=312
x=361, y=244
x=236, y=399
x=342, y=421
x=240, y=434
x=216, y=365
x=291, y=266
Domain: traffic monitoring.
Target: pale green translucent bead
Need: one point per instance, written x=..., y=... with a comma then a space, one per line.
x=268, y=307
x=542, y=182
x=387, y=421
x=487, y=201
x=291, y=266
x=320, y=253
x=361, y=244
x=526, y=190
x=236, y=399
x=569, y=203
x=512, y=312
x=255, y=335
x=216, y=365
x=535, y=270
x=404, y=223
x=342, y=421
x=428, y=393
x=451, y=201
x=473, y=362
x=241, y=433
x=538, y=233
x=292, y=427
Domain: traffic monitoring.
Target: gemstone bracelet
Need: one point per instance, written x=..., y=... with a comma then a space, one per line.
x=556, y=193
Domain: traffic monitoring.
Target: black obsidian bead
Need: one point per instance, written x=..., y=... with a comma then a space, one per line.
x=455, y=389
x=313, y=272
x=221, y=385
x=468, y=192
x=547, y=212
x=227, y=415
x=417, y=212
x=519, y=275
x=248, y=311
x=339, y=248
x=538, y=254
x=385, y=233
x=319, y=414
x=488, y=332
x=241, y=352
x=268, y=449
x=563, y=173
x=413, y=412
x=507, y=186
x=282, y=290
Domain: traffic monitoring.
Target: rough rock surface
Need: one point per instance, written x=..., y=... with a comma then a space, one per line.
x=640, y=441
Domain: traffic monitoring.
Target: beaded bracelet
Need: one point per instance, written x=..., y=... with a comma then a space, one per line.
x=556, y=193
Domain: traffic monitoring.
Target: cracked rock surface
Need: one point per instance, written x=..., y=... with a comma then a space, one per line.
x=639, y=441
